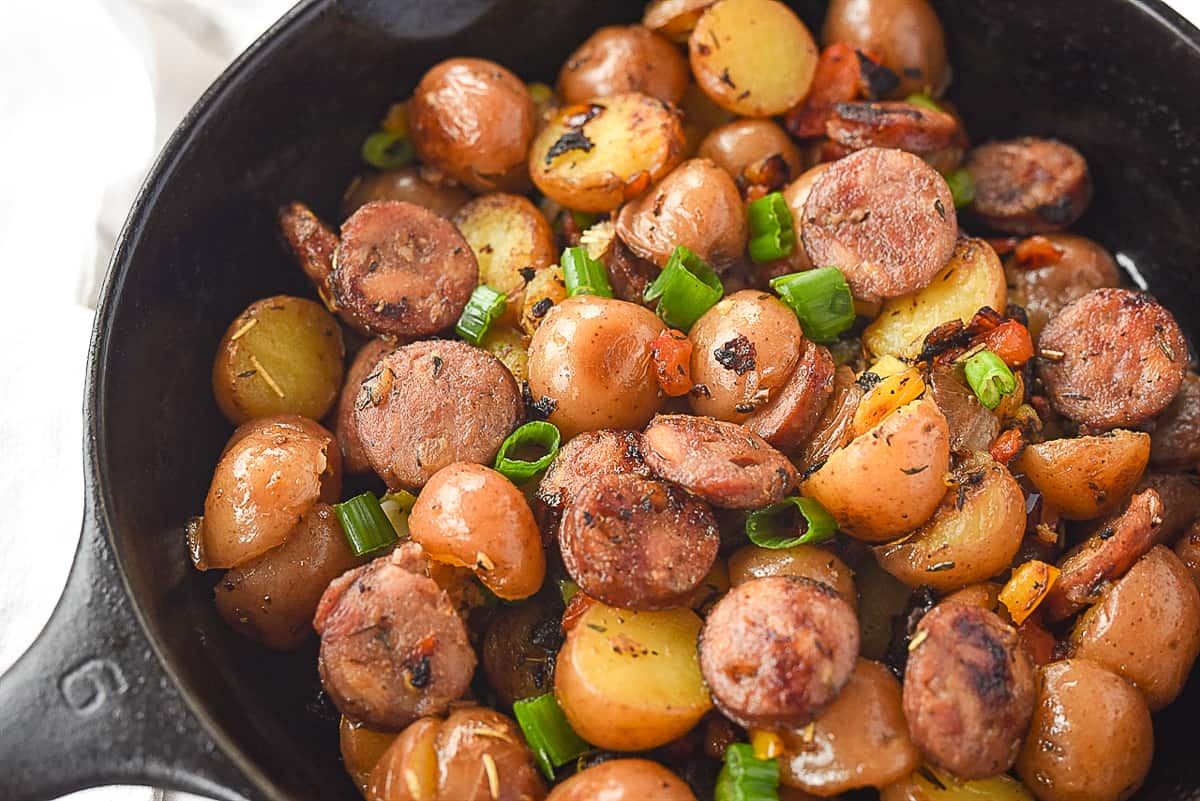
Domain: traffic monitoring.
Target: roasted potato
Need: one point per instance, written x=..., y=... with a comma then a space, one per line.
x=519, y=648
x=623, y=780
x=752, y=152
x=425, y=186
x=674, y=19
x=512, y=242
x=546, y=289
x=624, y=58
x=807, y=561
x=362, y=748
x=929, y=784
x=507, y=344
x=882, y=600
x=1086, y=477
x=906, y=34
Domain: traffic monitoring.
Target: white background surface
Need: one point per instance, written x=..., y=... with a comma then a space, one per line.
x=89, y=91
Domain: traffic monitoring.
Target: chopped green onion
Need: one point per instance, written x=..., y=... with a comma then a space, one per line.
x=763, y=525
x=548, y=733
x=961, y=187
x=485, y=305
x=584, y=219
x=924, y=101
x=583, y=275
x=567, y=589
x=387, y=150
x=989, y=377
x=365, y=524
x=397, y=506
x=820, y=298
x=685, y=289
x=537, y=434
x=744, y=777
x=772, y=231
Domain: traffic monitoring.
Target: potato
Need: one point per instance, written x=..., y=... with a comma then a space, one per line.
x=623, y=780
x=807, y=561
x=985, y=595
x=674, y=19
x=543, y=291
x=973, y=535
x=700, y=116
x=928, y=784
x=973, y=278
x=753, y=57
x=890, y=479
x=595, y=156
x=507, y=344
x=1087, y=477
x=512, y=241
x=629, y=681
x=882, y=601
x=906, y=34
x=519, y=647
x=282, y=355
x=362, y=749
x=423, y=186
x=624, y=58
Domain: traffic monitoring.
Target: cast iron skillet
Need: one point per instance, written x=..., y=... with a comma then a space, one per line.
x=135, y=679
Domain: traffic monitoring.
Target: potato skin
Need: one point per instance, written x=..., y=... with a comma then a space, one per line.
x=623, y=780
x=624, y=58
x=422, y=186
x=807, y=561
x=1045, y=290
x=361, y=749
x=1085, y=477
x=742, y=144
x=519, y=648
x=906, y=34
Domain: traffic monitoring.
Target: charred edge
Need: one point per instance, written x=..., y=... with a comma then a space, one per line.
x=878, y=79
x=738, y=355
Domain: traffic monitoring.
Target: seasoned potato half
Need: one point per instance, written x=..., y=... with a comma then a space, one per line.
x=629, y=681
x=543, y=292
x=512, y=242
x=973, y=535
x=1086, y=477
x=674, y=19
x=753, y=57
x=594, y=156
x=508, y=344
x=973, y=278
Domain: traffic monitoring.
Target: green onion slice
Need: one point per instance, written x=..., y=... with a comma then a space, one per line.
x=924, y=101
x=989, y=377
x=744, y=777
x=365, y=524
x=387, y=150
x=548, y=733
x=961, y=187
x=485, y=305
x=583, y=275
x=513, y=459
x=397, y=506
x=765, y=527
x=772, y=231
x=567, y=589
x=820, y=298
x=685, y=289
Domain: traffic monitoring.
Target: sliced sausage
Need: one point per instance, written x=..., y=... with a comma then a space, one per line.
x=835, y=427
x=637, y=543
x=392, y=646
x=354, y=458
x=724, y=463
x=1115, y=357
x=792, y=414
x=1088, y=568
x=969, y=690
x=401, y=270
x=776, y=651
x=885, y=218
x=915, y=129
x=432, y=403
x=586, y=456
x=313, y=243
x=1029, y=185
x=1175, y=441
x=1044, y=286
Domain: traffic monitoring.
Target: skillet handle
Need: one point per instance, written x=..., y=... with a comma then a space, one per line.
x=89, y=703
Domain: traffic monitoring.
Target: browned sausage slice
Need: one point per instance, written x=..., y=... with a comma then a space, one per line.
x=968, y=690
x=1112, y=358
x=1029, y=185
x=1104, y=557
x=787, y=420
x=1175, y=441
x=892, y=124
x=586, y=456
x=724, y=463
x=885, y=218
x=637, y=543
x=313, y=243
x=354, y=458
x=401, y=270
x=776, y=651
x=429, y=404
x=392, y=646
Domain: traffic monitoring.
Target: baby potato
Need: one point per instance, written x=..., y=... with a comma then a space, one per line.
x=282, y=355
x=594, y=156
x=1086, y=477
x=623, y=780
x=422, y=186
x=543, y=291
x=882, y=604
x=753, y=57
x=629, y=681
x=745, y=149
x=674, y=19
x=906, y=34
x=807, y=561
x=507, y=344
x=519, y=648
x=362, y=749
x=512, y=241
x=945, y=787
x=973, y=278
x=890, y=479
x=973, y=535
x=624, y=58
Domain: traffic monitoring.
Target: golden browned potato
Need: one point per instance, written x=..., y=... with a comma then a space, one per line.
x=624, y=58
x=744, y=349
x=623, y=780
x=905, y=34
x=1146, y=627
x=519, y=648
x=423, y=186
x=591, y=358
x=1086, y=477
x=512, y=241
x=860, y=741
x=752, y=150
x=808, y=561
x=273, y=470
x=361, y=750
x=973, y=278
x=753, y=57
x=674, y=18
x=507, y=344
x=282, y=355
x=973, y=535
x=1091, y=738
x=629, y=681
x=472, y=516
x=930, y=784
x=595, y=156
x=890, y=479
x=545, y=289
x=698, y=206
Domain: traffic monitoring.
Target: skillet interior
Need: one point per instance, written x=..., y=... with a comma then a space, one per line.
x=1106, y=75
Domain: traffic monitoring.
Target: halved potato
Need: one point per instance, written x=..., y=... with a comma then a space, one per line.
x=806, y=561
x=973, y=278
x=595, y=156
x=928, y=784
x=674, y=19
x=362, y=748
x=508, y=344
x=543, y=292
x=1086, y=477
x=512, y=242
x=973, y=535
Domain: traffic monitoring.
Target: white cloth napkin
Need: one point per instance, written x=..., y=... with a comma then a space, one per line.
x=89, y=91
